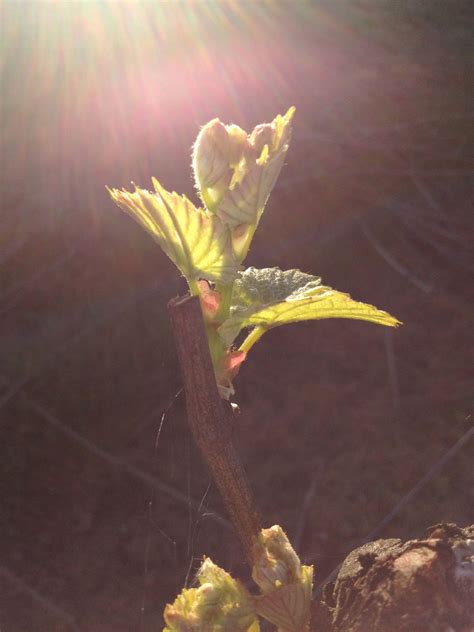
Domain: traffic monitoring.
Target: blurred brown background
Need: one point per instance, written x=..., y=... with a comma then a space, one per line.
x=340, y=419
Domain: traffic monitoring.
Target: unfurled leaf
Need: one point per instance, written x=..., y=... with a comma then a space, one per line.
x=196, y=241
x=270, y=297
x=288, y=607
x=236, y=172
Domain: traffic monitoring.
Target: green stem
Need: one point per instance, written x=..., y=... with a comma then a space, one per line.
x=193, y=287
x=253, y=337
x=226, y=297
x=217, y=346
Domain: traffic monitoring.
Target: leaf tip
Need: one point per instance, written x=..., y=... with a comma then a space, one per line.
x=290, y=113
x=393, y=321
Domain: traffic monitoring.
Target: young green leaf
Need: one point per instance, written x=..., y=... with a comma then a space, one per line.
x=287, y=607
x=271, y=297
x=197, y=242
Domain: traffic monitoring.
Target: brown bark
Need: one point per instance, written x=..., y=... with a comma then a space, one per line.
x=209, y=419
x=416, y=586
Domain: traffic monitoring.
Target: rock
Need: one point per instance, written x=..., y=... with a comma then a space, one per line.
x=416, y=586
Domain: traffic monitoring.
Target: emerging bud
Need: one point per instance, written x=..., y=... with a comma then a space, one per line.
x=236, y=172
x=217, y=152
x=220, y=604
x=285, y=583
x=276, y=562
